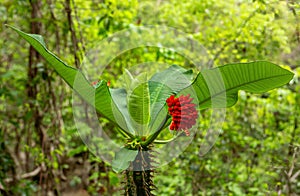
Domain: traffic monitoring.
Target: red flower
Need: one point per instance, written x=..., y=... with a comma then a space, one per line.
x=183, y=112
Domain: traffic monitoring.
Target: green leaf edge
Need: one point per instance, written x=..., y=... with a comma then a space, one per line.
x=235, y=92
x=88, y=88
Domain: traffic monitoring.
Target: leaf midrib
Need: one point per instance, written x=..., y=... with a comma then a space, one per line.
x=146, y=92
x=237, y=87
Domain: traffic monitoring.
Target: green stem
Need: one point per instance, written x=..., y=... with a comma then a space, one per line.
x=163, y=141
x=125, y=133
x=152, y=137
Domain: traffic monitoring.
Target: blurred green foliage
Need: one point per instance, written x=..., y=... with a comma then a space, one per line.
x=258, y=150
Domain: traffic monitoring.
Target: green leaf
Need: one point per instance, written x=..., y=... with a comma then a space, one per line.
x=219, y=87
x=159, y=92
x=78, y=150
x=120, y=98
x=175, y=78
x=113, y=178
x=161, y=86
x=99, y=98
x=139, y=107
x=123, y=158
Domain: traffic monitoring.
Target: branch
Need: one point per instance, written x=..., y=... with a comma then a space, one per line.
x=26, y=175
x=72, y=31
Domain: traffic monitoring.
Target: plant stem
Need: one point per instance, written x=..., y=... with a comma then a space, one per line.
x=152, y=137
x=139, y=175
x=163, y=141
x=126, y=134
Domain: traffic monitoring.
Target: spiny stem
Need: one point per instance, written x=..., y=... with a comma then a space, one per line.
x=139, y=179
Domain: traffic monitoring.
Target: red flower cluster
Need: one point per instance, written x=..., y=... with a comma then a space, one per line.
x=183, y=112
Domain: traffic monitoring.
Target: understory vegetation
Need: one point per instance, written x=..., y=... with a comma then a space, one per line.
x=41, y=152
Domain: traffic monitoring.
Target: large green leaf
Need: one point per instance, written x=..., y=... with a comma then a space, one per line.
x=139, y=107
x=218, y=87
x=100, y=98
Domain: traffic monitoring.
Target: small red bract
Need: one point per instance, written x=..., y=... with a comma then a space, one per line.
x=183, y=112
x=94, y=84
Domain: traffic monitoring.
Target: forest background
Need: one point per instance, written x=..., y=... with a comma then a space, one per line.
x=41, y=152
